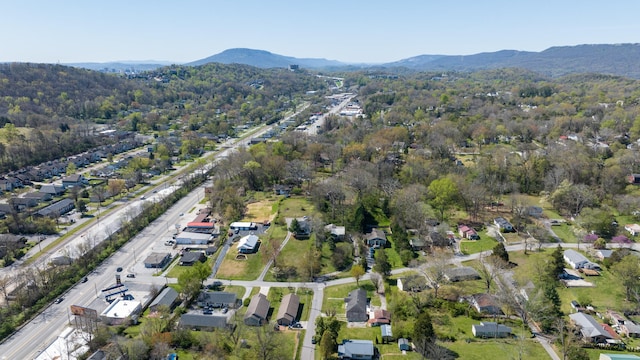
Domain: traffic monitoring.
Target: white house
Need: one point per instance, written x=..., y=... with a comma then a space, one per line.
x=247, y=244
x=575, y=259
x=633, y=229
x=490, y=329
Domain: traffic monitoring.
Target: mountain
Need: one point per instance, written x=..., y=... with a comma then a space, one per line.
x=264, y=59
x=121, y=66
x=614, y=59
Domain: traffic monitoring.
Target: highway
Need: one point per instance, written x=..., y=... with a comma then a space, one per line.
x=30, y=340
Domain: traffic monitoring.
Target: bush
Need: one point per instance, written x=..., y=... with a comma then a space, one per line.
x=246, y=302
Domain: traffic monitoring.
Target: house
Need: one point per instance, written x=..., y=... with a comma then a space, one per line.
x=419, y=243
x=403, y=344
x=462, y=273
x=356, y=349
x=168, y=297
x=380, y=317
x=602, y=254
x=633, y=229
x=74, y=180
x=218, y=299
x=284, y=190
x=189, y=258
x=240, y=225
x=193, y=238
x=248, y=244
x=490, y=330
x=303, y=229
x=356, y=306
x=6, y=185
x=630, y=329
x=336, y=232
x=466, y=232
x=288, y=310
x=39, y=196
x=534, y=211
x=257, y=311
x=53, y=189
x=578, y=261
x=590, y=329
x=412, y=283
x=633, y=179
x=486, y=304
x=23, y=202
x=202, y=322
x=503, y=224
x=157, y=260
x=386, y=333
x=376, y=238
x=56, y=209
x=616, y=317
x=618, y=357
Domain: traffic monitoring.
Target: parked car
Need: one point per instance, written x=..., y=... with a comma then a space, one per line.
x=119, y=269
x=131, y=275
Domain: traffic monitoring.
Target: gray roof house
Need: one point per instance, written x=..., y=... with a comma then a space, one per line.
x=578, y=261
x=356, y=306
x=376, y=238
x=40, y=196
x=202, y=322
x=490, y=330
x=218, y=299
x=590, y=329
x=257, y=311
x=167, y=297
x=56, y=209
x=412, y=283
x=462, y=273
x=356, y=349
x=189, y=258
x=52, y=189
x=288, y=309
x=485, y=303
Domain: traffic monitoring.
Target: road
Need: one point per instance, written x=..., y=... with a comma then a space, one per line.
x=34, y=336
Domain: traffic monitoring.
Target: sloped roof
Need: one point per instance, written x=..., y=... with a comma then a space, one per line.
x=461, y=273
x=217, y=297
x=289, y=307
x=167, y=297
x=589, y=327
x=351, y=348
x=258, y=307
x=248, y=242
x=376, y=234
x=357, y=299
x=198, y=320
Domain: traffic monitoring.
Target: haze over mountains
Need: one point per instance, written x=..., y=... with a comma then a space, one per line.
x=612, y=59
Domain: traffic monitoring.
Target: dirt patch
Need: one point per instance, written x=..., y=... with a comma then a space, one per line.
x=230, y=268
x=260, y=211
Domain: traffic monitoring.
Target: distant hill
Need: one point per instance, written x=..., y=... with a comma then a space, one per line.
x=621, y=60
x=264, y=59
x=121, y=66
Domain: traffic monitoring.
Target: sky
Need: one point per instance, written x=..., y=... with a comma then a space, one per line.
x=354, y=31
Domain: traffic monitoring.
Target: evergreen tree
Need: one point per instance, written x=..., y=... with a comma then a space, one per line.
x=500, y=252
x=556, y=266
x=327, y=345
x=424, y=337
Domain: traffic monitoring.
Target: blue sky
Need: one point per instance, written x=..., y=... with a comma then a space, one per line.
x=369, y=31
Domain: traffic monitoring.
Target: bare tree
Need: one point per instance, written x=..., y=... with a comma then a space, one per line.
x=435, y=270
x=489, y=269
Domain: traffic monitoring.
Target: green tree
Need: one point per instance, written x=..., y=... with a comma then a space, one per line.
x=556, y=264
x=424, y=336
x=327, y=345
x=501, y=253
x=443, y=193
x=628, y=271
x=357, y=271
x=382, y=265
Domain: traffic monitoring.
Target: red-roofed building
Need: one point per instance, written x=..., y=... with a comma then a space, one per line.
x=200, y=225
x=380, y=317
x=468, y=232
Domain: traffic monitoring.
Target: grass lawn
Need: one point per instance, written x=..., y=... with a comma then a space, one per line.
x=276, y=294
x=475, y=246
x=248, y=269
x=290, y=254
x=565, y=232
x=295, y=206
x=334, y=295
x=177, y=270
